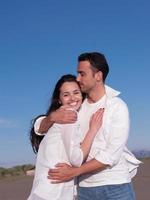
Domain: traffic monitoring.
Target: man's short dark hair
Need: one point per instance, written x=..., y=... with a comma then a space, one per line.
x=97, y=61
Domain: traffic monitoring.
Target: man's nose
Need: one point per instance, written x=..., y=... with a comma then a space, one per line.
x=78, y=78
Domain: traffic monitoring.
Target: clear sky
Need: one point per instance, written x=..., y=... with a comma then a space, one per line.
x=40, y=41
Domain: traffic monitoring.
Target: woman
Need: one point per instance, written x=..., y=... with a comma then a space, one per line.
x=62, y=143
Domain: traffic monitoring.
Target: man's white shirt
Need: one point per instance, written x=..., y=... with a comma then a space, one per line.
x=109, y=146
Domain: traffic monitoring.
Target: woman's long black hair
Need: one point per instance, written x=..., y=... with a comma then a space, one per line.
x=54, y=105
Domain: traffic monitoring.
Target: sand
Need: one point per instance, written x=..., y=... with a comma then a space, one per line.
x=142, y=181
x=19, y=189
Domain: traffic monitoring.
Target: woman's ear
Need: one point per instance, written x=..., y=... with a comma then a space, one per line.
x=59, y=101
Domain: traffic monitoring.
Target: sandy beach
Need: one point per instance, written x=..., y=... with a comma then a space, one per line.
x=19, y=188
x=142, y=181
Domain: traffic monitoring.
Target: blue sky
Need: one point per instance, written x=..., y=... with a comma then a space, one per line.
x=41, y=39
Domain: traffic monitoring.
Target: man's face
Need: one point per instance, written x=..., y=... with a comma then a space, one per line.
x=86, y=77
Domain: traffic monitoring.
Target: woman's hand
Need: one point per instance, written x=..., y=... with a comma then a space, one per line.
x=96, y=121
x=94, y=125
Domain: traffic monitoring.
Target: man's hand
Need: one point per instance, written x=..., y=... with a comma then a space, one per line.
x=65, y=172
x=62, y=173
x=64, y=115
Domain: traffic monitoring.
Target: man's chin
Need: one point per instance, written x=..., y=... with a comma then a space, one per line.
x=83, y=90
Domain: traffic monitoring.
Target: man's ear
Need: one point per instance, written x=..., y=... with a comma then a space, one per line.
x=99, y=76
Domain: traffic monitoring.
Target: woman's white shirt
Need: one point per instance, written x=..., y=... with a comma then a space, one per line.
x=60, y=144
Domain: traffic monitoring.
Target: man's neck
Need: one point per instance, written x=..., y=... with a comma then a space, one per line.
x=96, y=94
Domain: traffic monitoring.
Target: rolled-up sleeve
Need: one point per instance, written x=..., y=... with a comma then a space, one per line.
x=37, y=125
x=116, y=132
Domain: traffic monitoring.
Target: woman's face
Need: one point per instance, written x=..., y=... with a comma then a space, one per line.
x=70, y=94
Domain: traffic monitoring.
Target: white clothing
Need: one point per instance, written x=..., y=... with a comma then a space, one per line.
x=60, y=144
x=109, y=145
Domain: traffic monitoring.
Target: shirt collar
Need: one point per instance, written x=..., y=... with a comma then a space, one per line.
x=110, y=92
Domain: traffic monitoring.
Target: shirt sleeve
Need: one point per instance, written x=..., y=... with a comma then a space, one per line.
x=71, y=136
x=37, y=125
x=117, y=131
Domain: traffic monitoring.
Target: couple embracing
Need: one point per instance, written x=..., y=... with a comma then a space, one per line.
x=86, y=129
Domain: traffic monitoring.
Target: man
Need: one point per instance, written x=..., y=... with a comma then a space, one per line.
x=105, y=174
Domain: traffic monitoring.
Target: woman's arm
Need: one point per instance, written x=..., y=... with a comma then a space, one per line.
x=77, y=152
x=94, y=126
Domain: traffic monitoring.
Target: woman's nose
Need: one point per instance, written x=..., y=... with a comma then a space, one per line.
x=72, y=97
